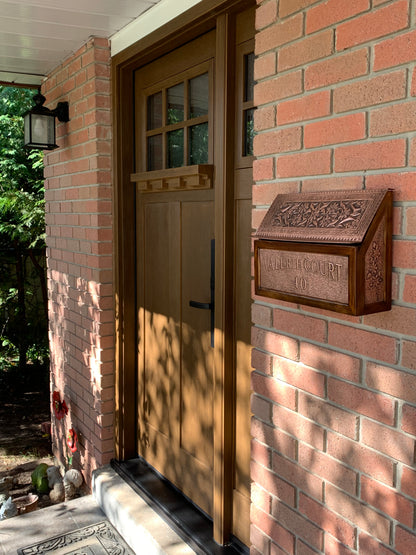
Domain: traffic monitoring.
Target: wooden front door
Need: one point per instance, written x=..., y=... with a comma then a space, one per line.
x=193, y=210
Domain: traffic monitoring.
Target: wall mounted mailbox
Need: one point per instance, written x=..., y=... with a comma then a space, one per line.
x=330, y=250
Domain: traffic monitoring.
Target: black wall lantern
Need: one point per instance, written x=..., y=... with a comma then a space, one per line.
x=40, y=123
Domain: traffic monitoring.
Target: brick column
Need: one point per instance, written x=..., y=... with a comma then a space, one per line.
x=79, y=252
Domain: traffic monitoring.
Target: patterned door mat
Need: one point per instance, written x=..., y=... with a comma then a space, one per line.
x=97, y=539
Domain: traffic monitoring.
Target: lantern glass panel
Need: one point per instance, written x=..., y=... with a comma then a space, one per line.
x=43, y=129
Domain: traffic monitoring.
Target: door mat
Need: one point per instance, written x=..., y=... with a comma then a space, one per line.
x=97, y=539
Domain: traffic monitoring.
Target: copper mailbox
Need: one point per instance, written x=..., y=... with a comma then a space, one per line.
x=330, y=250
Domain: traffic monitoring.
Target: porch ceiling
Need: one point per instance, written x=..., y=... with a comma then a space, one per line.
x=36, y=35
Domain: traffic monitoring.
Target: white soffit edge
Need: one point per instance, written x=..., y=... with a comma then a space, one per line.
x=161, y=13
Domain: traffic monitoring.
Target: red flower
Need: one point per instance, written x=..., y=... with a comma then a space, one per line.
x=59, y=407
x=71, y=440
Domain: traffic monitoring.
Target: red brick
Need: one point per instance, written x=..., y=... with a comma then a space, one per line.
x=405, y=541
x=261, y=408
x=404, y=254
x=311, y=106
x=303, y=164
x=273, y=142
x=264, y=118
x=359, y=513
x=335, y=130
x=261, y=315
x=370, y=92
x=297, y=476
x=395, y=51
x=265, y=193
x=361, y=458
x=371, y=156
x=361, y=400
x=273, y=530
x=287, y=7
x=297, y=523
x=327, y=520
x=335, y=70
x=265, y=66
x=260, y=453
x=274, y=390
x=308, y=50
x=266, y=14
x=387, y=501
x=334, y=546
x=333, y=11
x=388, y=441
x=263, y=169
x=399, y=319
x=333, y=183
x=328, y=415
x=338, y=364
x=275, y=343
x=282, y=86
x=366, y=343
x=299, y=376
x=392, y=120
x=299, y=427
x=328, y=468
x=272, y=483
x=372, y=25
x=299, y=325
x=370, y=546
x=280, y=33
x=409, y=291
x=409, y=354
x=408, y=482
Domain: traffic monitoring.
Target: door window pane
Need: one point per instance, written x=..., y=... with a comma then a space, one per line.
x=249, y=77
x=175, y=148
x=198, y=96
x=198, y=144
x=154, y=111
x=155, y=152
x=175, y=104
x=248, y=132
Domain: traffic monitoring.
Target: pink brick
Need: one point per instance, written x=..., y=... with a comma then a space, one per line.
x=409, y=354
x=336, y=130
x=367, y=544
x=261, y=361
x=274, y=390
x=387, y=501
x=311, y=48
x=299, y=427
x=265, y=193
x=298, y=524
x=280, y=33
x=372, y=25
x=298, y=376
x=377, y=155
x=327, y=520
x=395, y=51
x=335, y=363
x=392, y=120
x=266, y=14
x=287, y=7
x=405, y=541
x=264, y=118
x=409, y=291
x=361, y=400
x=304, y=164
x=265, y=66
x=327, y=415
x=404, y=254
x=399, y=319
x=361, y=458
x=307, y=107
x=273, y=530
x=273, y=142
x=358, y=341
x=328, y=468
x=335, y=70
x=282, y=86
x=333, y=11
x=408, y=483
x=261, y=315
x=299, y=324
x=272, y=483
x=261, y=408
x=359, y=513
x=388, y=441
x=275, y=343
x=295, y=475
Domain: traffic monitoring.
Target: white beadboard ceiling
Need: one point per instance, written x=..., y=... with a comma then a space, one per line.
x=36, y=35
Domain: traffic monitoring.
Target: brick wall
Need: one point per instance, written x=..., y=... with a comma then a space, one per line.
x=79, y=251
x=334, y=402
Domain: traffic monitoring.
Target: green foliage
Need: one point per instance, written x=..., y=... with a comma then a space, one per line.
x=23, y=323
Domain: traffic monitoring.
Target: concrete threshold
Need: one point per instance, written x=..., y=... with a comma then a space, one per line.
x=135, y=520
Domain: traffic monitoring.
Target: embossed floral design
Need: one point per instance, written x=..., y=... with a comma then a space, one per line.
x=320, y=214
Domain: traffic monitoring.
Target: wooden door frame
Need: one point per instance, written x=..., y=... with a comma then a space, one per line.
x=208, y=15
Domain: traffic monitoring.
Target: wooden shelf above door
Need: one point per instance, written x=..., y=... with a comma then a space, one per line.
x=175, y=179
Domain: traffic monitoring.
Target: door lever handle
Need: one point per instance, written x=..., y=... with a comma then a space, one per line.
x=202, y=306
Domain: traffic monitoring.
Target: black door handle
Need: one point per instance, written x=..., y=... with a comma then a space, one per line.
x=209, y=306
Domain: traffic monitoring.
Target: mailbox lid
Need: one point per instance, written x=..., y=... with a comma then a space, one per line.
x=342, y=217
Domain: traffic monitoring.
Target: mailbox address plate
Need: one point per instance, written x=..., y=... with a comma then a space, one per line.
x=340, y=255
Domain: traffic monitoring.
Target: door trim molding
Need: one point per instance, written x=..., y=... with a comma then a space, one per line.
x=208, y=15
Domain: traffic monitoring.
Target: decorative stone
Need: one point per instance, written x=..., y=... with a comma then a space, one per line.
x=8, y=509
x=74, y=477
x=54, y=476
x=57, y=494
x=6, y=484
